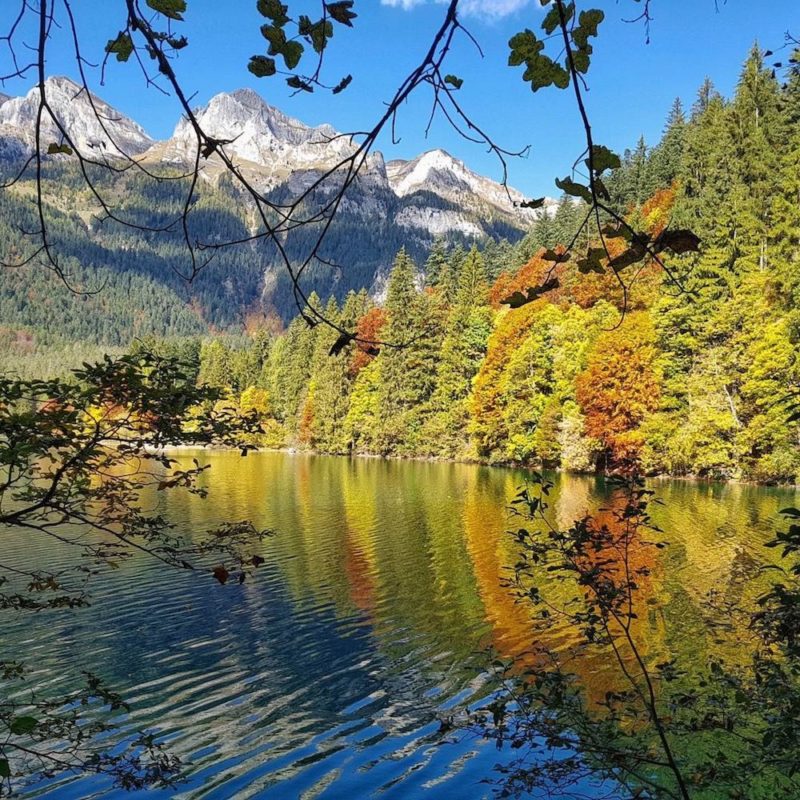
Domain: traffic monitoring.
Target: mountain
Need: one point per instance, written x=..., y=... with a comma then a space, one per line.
x=95, y=127
x=276, y=150
x=471, y=198
x=399, y=204
x=270, y=144
x=433, y=194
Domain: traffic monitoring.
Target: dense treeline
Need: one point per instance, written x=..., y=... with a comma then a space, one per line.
x=683, y=377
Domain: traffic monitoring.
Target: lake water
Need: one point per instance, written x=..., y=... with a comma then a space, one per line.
x=326, y=675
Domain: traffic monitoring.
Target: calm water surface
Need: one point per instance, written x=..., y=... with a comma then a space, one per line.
x=325, y=676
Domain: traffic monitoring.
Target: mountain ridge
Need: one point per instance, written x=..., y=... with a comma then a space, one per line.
x=275, y=151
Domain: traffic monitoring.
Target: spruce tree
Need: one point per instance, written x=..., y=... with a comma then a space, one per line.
x=405, y=373
x=436, y=265
x=463, y=349
x=665, y=161
x=756, y=128
x=329, y=386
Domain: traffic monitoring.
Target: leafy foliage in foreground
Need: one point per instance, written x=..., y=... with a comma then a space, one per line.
x=78, y=459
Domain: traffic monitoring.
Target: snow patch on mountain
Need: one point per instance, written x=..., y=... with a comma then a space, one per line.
x=263, y=137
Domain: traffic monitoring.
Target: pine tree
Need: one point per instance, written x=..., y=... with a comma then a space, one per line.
x=436, y=265
x=463, y=348
x=450, y=274
x=704, y=203
x=784, y=233
x=290, y=366
x=756, y=124
x=329, y=385
x=665, y=162
x=405, y=369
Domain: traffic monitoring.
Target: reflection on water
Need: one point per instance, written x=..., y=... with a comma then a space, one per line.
x=327, y=674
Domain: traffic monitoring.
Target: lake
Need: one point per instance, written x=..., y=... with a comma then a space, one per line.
x=326, y=675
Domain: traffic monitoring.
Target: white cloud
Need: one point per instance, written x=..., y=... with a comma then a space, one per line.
x=475, y=8
x=405, y=4
x=491, y=8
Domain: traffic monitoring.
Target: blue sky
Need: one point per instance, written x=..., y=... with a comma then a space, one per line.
x=632, y=84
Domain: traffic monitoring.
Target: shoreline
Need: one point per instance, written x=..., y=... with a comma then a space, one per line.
x=297, y=451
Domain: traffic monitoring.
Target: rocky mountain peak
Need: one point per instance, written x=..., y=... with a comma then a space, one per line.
x=439, y=173
x=93, y=125
x=260, y=134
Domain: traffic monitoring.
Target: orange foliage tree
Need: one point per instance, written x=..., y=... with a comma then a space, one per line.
x=620, y=387
x=534, y=273
x=368, y=329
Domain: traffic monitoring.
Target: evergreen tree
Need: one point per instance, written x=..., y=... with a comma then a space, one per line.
x=290, y=366
x=329, y=386
x=405, y=364
x=436, y=267
x=463, y=348
x=756, y=122
x=665, y=162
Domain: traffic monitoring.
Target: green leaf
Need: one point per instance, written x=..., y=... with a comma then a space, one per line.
x=543, y=72
x=121, y=47
x=341, y=12
x=524, y=47
x=22, y=726
x=553, y=18
x=169, y=8
x=262, y=66
x=276, y=37
x=603, y=159
x=59, y=149
x=279, y=45
x=292, y=52
x=317, y=32
x=5, y=768
x=454, y=81
x=274, y=10
x=580, y=58
x=343, y=84
x=588, y=23
x=296, y=82
x=570, y=187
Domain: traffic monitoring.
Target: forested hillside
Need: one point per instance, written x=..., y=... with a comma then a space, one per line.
x=684, y=376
